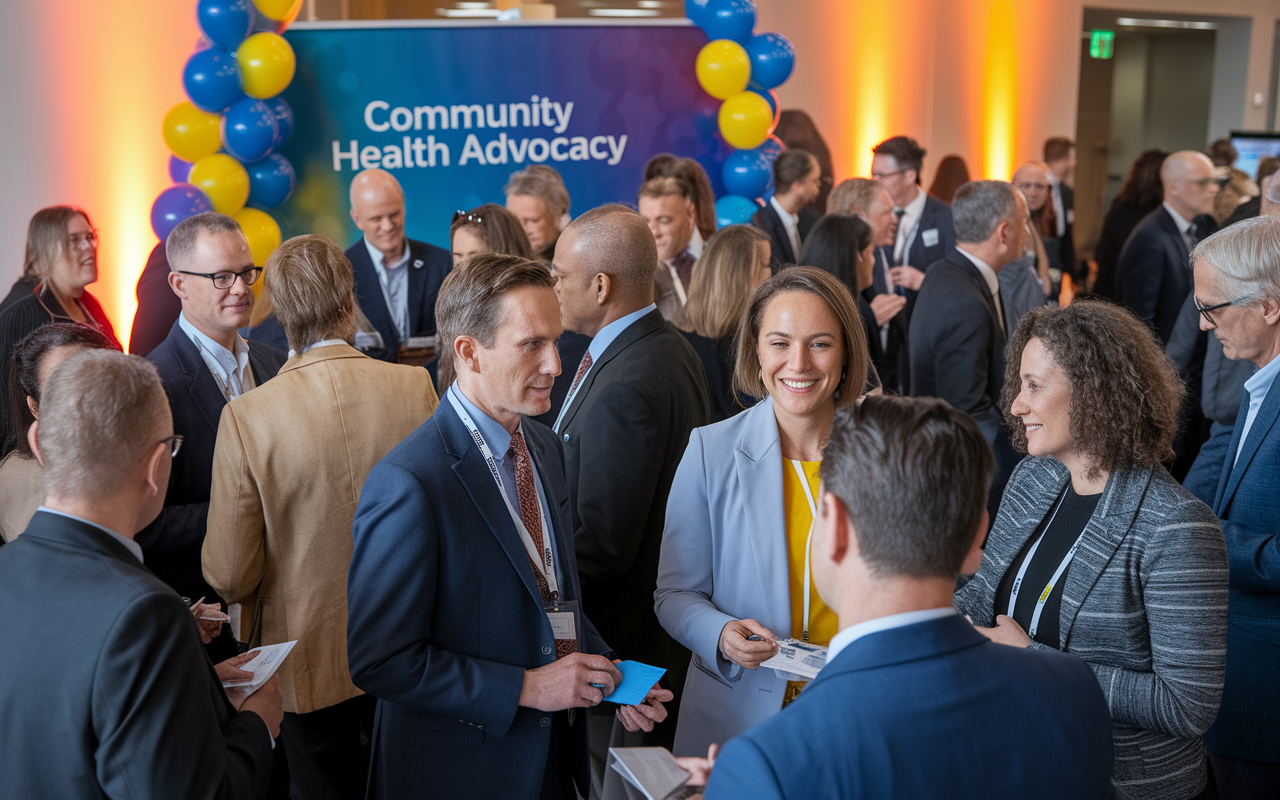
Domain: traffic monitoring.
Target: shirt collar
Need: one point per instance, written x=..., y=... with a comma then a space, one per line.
x=230, y=362
x=611, y=331
x=988, y=274
x=853, y=633
x=1182, y=224
x=1259, y=383
x=916, y=207
x=695, y=243
x=314, y=345
x=129, y=544
x=788, y=219
x=375, y=255
x=496, y=436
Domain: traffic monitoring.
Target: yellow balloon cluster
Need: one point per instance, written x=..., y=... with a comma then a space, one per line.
x=224, y=180
x=191, y=133
x=723, y=68
x=267, y=64
x=745, y=120
x=262, y=232
x=283, y=12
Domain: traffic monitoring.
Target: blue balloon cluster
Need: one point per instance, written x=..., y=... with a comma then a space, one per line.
x=270, y=181
x=175, y=204
x=747, y=174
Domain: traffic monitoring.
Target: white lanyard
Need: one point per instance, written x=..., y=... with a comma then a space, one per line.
x=808, y=544
x=544, y=561
x=1053, y=581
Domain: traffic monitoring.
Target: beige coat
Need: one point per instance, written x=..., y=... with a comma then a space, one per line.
x=291, y=459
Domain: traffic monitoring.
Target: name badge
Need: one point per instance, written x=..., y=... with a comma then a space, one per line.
x=1071, y=216
x=929, y=237
x=563, y=625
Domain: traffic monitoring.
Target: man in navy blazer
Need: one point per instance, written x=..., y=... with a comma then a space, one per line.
x=202, y=363
x=105, y=689
x=1153, y=275
x=481, y=658
x=926, y=230
x=1237, y=287
x=913, y=702
x=789, y=216
x=397, y=278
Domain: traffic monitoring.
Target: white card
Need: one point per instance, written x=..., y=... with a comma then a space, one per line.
x=562, y=625
x=929, y=237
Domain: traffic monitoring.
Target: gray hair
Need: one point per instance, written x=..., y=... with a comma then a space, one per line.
x=1246, y=256
x=101, y=413
x=979, y=206
x=180, y=247
x=853, y=196
x=541, y=181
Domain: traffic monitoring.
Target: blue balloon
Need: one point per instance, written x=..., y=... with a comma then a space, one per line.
x=249, y=129
x=696, y=11
x=179, y=169
x=734, y=209
x=212, y=79
x=770, y=97
x=729, y=19
x=746, y=173
x=772, y=147
x=271, y=181
x=284, y=119
x=225, y=22
x=176, y=204
x=772, y=59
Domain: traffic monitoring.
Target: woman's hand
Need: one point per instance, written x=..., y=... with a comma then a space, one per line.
x=1007, y=632
x=741, y=650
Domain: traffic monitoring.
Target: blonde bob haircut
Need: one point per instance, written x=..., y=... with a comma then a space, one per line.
x=720, y=287
x=47, y=238
x=312, y=290
x=832, y=291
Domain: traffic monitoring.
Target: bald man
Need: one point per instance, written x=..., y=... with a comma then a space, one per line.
x=397, y=278
x=1154, y=272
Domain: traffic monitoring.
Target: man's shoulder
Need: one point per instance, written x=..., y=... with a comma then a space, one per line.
x=660, y=361
x=430, y=254
x=167, y=356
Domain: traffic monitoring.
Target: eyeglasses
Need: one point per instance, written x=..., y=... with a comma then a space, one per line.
x=1204, y=182
x=879, y=176
x=175, y=444
x=457, y=215
x=1027, y=186
x=1207, y=311
x=225, y=280
x=79, y=240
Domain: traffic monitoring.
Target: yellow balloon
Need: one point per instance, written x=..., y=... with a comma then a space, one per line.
x=262, y=232
x=224, y=180
x=745, y=120
x=266, y=64
x=191, y=133
x=723, y=68
x=283, y=11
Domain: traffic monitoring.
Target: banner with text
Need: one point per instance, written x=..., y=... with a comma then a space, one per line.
x=452, y=111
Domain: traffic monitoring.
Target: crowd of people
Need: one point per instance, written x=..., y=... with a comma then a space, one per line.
x=1035, y=536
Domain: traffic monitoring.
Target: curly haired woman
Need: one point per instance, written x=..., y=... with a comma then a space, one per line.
x=1097, y=551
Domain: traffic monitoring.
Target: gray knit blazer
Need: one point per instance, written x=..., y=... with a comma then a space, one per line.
x=1144, y=605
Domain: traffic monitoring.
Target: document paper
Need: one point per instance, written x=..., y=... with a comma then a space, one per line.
x=800, y=660
x=652, y=770
x=263, y=666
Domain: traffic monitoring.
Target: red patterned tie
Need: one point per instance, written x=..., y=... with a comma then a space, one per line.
x=582, y=370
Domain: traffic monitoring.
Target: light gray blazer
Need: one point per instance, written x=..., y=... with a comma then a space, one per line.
x=1145, y=606
x=724, y=557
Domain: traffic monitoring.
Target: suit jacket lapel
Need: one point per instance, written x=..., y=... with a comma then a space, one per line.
x=369, y=296
x=417, y=288
x=637, y=330
x=1175, y=235
x=1262, y=425
x=202, y=388
x=779, y=232
x=758, y=464
x=960, y=260
x=554, y=488
x=1045, y=484
x=1228, y=464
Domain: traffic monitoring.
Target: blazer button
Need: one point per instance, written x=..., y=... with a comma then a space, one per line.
x=545, y=722
x=566, y=437
x=546, y=651
x=481, y=727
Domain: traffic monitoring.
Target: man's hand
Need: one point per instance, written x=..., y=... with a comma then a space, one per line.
x=229, y=670
x=908, y=277
x=1006, y=631
x=209, y=628
x=267, y=703
x=699, y=768
x=567, y=683
x=649, y=713
x=887, y=306
x=741, y=650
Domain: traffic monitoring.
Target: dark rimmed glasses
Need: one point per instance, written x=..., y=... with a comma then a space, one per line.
x=225, y=280
x=1207, y=311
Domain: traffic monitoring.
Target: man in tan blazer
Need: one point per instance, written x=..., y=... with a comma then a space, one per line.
x=287, y=473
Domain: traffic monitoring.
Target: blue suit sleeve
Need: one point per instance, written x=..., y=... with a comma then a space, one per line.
x=743, y=770
x=391, y=601
x=1254, y=553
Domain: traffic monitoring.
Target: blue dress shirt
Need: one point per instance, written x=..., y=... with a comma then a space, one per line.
x=1257, y=386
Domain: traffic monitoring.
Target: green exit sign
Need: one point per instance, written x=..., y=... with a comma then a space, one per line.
x=1102, y=44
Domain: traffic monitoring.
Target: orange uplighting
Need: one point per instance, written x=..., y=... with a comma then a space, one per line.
x=999, y=90
x=116, y=70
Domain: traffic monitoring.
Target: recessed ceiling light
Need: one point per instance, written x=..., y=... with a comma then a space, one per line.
x=622, y=12
x=1184, y=24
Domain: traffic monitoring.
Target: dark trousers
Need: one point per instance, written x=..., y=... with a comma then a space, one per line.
x=328, y=750
x=1233, y=778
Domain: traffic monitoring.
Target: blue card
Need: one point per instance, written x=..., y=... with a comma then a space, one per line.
x=637, y=680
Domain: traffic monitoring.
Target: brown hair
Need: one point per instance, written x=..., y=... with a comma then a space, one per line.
x=47, y=238
x=1142, y=186
x=1057, y=148
x=692, y=173
x=312, y=290
x=497, y=227
x=180, y=246
x=720, y=287
x=951, y=175
x=791, y=167
x=913, y=475
x=543, y=182
x=470, y=299
x=746, y=372
x=1112, y=361
x=906, y=152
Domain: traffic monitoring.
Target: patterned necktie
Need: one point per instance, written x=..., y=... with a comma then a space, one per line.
x=684, y=267
x=582, y=370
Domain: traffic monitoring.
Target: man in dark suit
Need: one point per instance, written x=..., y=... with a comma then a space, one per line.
x=397, y=278
x=957, y=333
x=464, y=615
x=639, y=390
x=202, y=363
x=926, y=231
x=1237, y=286
x=913, y=702
x=105, y=689
x=158, y=307
x=1153, y=275
x=789, y=216
x=1060, y=158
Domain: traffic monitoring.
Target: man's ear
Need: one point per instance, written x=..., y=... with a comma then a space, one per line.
x=35, y=409
x=836, y=516
x=33, y=439
x=973, y=560
x=1270, y=310
x=603, y=286
x=153, y=470
x=465, y=353
x=177, y=284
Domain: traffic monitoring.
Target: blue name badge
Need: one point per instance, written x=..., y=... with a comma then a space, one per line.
x=637, y=680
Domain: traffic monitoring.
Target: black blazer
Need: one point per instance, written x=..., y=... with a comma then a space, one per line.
x=570, y=347
x=173, y=542
x=936, y=217
x=428, y=266
x=158, y=306
x=767, y=220
x=624, y=435
x=106, y=689
x=892, y=362
x=1120, y=221
x=1154, y=271
x=717, y=357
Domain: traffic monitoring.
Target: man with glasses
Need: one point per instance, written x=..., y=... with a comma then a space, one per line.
x=1154, y=272
x=203, y=363
x=1237, y=292
x=925, y=229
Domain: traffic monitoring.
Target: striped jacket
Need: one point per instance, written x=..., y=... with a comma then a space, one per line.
x=1145, y=605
